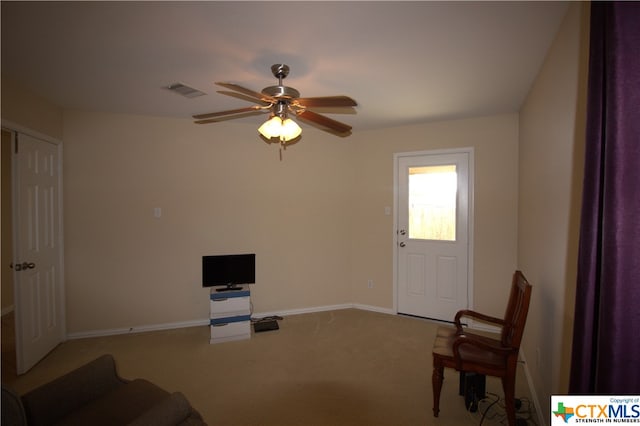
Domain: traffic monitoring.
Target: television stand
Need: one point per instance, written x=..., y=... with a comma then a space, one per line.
x=235, y=288
x=230, y=314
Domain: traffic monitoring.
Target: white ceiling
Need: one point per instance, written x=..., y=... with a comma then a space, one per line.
x=403, y=62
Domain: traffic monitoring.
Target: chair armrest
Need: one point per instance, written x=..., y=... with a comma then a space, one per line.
x=52, y=401
x=475, y=315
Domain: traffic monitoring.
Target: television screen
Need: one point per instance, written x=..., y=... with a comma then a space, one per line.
x=229, y=270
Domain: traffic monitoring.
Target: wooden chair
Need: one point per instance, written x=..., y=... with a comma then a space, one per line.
x=464, y=351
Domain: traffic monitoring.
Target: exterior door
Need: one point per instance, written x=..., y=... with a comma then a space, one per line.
x=432, y=225
x=37, y=264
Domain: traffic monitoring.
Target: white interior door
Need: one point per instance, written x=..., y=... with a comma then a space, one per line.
x=432, y=244
x=39, y=292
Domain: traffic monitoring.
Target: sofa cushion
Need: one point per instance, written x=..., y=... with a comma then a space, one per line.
x=172, y=410
x=52, y=401
x=119, y=407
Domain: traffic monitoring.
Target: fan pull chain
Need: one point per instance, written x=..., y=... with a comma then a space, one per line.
x=283, y=146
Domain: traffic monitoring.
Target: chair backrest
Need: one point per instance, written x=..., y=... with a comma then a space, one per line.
x=517, y=309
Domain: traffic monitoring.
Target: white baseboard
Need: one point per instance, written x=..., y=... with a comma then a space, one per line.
x=374, y=309
x=542, y=419
x=137, y=329
x=483, y=326
x=324, y=309
x=302, y=310
x=195, y=323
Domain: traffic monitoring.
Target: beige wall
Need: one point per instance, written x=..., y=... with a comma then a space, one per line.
x=552, y=125
x=221, y=190
x=315, y=219
x=495, y=143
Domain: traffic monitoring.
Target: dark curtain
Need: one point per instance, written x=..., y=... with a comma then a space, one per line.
x=606, y=340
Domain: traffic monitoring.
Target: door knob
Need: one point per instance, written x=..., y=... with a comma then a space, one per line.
x=24, y=265
x=402, y=244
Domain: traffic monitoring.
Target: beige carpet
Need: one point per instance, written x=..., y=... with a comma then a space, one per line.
x=345, y=367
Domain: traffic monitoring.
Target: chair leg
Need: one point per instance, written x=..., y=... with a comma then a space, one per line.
x=508, y=386
x=436, y=380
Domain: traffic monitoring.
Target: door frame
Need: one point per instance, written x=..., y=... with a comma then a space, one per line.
x=470, y=245
x=16, y=129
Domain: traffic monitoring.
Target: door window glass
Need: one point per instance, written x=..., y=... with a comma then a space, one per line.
x=432, y=202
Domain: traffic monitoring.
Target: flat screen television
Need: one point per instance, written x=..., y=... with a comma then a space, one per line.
x=228, y=271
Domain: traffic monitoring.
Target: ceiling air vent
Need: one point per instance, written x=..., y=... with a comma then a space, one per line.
x=184, y=90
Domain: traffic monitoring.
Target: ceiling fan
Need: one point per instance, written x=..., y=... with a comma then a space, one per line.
x=281, y=102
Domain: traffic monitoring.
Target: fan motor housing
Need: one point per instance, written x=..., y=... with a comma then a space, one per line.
x=281, y=92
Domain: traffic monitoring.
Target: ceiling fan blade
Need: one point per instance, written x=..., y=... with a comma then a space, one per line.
x=326, y=123
x=244, y=97
x=329, y=110
x=248, y=92
x=228, y=112
x=326, y=101
x=228, y=117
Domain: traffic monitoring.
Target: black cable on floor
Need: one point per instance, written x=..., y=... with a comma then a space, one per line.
x=488, y=408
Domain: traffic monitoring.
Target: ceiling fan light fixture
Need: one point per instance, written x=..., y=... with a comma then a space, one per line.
x=285, y=130
x=290, y=130
x=271, y=128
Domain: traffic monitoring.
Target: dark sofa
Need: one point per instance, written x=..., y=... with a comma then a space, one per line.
x=95, y=395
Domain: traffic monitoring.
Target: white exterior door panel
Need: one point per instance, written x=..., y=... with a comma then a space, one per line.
x=432, y=266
